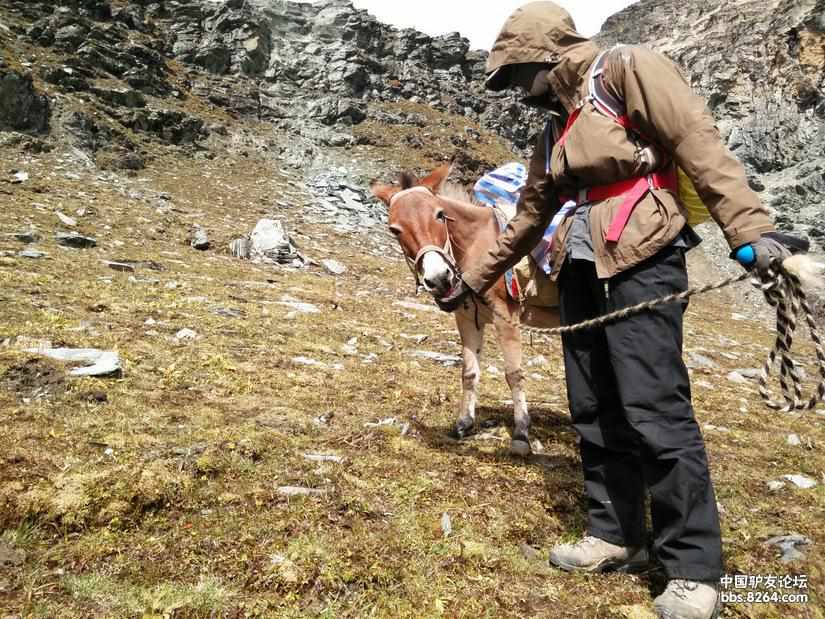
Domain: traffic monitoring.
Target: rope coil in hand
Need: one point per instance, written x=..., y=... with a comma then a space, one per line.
x=783, y=290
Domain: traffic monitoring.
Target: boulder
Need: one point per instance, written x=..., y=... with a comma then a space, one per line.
x=200, y=239
x=271, y=243
x=73, y=239
x=22, y=107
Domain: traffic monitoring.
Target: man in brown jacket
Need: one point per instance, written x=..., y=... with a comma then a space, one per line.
x=622, y=243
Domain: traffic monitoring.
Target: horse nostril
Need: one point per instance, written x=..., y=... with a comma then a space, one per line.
x=429, y=283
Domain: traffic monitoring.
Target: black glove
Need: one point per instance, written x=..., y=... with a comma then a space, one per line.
x=455, y=297
x=777, y=246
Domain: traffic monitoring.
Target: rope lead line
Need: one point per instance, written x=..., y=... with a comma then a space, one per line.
x=782, y=289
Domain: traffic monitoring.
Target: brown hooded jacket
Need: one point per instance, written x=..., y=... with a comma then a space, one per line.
x=598, y=151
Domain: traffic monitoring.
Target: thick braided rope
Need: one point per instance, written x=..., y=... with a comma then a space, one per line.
x=782, y=289
x=621, y=314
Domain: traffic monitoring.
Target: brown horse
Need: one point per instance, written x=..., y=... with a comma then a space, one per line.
x=441, y=232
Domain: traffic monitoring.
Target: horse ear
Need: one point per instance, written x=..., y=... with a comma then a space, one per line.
x=384, y=192
x=408, y=180
x=435, y=181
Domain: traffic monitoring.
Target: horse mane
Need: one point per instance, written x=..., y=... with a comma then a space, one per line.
x=458, y=193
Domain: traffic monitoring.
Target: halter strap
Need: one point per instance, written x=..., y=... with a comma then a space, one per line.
x=445, y=252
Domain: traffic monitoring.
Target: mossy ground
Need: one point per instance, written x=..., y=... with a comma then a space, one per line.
x=162, y=501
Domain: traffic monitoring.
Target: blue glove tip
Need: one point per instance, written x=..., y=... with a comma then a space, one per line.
x=746, y=256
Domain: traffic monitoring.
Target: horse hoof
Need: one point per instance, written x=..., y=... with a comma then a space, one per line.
x=461, y=430
x=520, y=448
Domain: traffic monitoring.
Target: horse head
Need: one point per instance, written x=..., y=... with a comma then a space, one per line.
x=418, y=220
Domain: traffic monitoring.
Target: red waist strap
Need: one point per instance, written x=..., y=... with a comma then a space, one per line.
x=633, y=190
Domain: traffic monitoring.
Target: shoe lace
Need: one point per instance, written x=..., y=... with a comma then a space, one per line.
x=681, y=588
x=588, y=540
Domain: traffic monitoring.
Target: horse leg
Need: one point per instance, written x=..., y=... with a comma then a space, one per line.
x=509, y=338
x=472, y=340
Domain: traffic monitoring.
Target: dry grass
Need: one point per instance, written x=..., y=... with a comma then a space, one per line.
x=162, y=501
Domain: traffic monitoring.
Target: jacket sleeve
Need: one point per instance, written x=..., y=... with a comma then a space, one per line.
x=664, y=108
x=534, y=211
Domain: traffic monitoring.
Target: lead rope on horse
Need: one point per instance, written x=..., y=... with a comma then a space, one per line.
x=783, y=290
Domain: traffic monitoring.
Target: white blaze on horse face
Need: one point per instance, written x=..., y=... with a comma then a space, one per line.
x=435, y=272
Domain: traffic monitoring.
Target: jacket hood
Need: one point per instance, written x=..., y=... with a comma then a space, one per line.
x=543, y=32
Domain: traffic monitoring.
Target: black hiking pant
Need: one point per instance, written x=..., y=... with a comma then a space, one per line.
x=630, y=402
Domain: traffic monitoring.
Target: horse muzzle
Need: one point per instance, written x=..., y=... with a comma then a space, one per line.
x=437, y=275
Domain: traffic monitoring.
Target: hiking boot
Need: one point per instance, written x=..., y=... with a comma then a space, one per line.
x=592, y=554
x=689, y=599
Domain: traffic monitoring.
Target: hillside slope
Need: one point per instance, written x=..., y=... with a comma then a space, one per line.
x=160, y=492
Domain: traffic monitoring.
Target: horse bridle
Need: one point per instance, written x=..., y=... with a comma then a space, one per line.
x=446, y=252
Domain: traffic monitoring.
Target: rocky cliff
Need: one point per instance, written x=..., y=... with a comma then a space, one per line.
x=108, y=75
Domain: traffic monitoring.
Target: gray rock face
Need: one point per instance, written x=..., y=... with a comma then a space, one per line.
x=312, y=69
x=323, y=60
x=762, y=70
x=72, y=239
x=22, y=107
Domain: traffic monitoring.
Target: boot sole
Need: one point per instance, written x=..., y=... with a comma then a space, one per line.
x=717, y=610
x=608, y=566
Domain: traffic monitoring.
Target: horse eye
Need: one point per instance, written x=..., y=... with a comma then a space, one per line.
x=439, y=215
x=395, y=230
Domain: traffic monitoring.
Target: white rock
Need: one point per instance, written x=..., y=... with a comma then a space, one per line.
x=65, y=219
x=21, y=177
x=442, y=358
x=539, y=361
x=351, y=347
x=186, y=335
x=270, y=240
x=749, y=373
x=800, y=481
x=402, y=427
x=446, y=524
x=101, y=362
x=315, y=363
x=324, y=458
x=32, y=254
x=793, y=440
x=418, y=338
x=736, y=377
x=696, y=361
x=298, y=306
x=493, y=371
x=775, y=485
x=711, y=427
x=334, y=267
